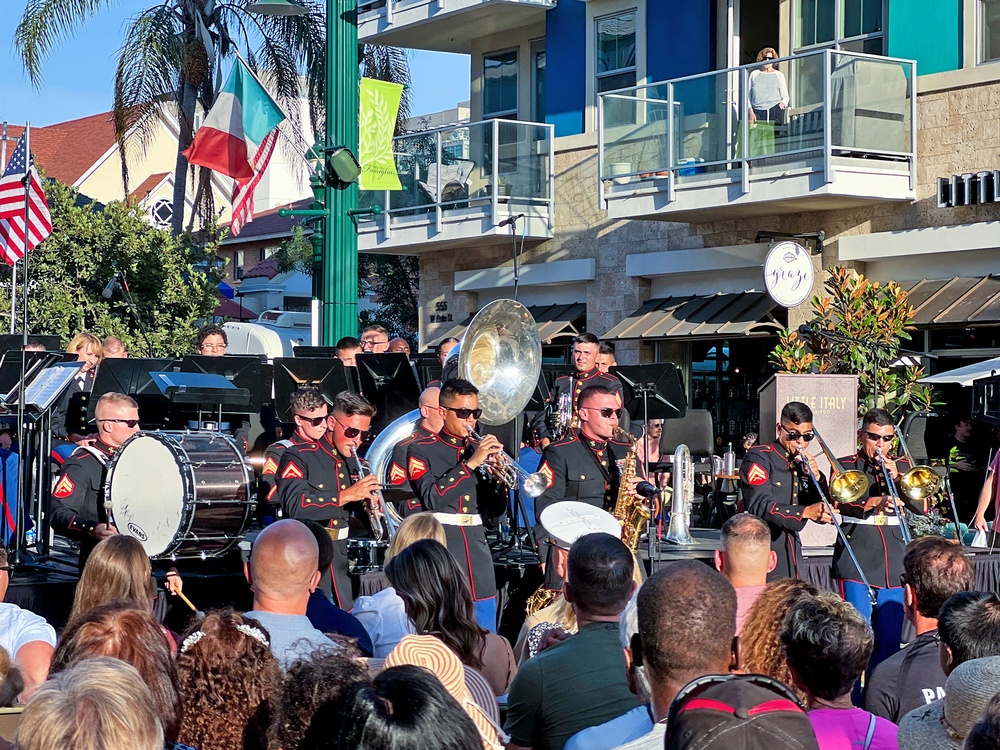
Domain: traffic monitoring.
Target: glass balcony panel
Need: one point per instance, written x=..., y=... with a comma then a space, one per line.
x=870, y=103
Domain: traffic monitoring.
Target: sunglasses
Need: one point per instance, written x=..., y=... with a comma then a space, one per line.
x=465, y=413
x=316, y=421
x=606, y=412
x=351, y=432
x=769, y=58
x=794, y=435
x=129, y=422
x=876, y=438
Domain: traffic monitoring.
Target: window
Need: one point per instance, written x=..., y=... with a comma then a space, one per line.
x=538, y=81
x=616, y=68
x=989, y=30
x=500, y=84
x=852, y=25
x=162, y=212
x=238, y=264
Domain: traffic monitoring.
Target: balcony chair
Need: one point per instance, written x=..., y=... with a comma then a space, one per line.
x=454, y=179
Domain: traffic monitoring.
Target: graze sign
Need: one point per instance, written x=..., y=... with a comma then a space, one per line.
x=789, y=274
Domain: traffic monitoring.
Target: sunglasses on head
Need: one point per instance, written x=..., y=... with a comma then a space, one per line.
x=465, y=413
x=876, y=438
x=794, y=435
x=315, y=421
x=351, y=432
x=606, y=412
x=129, y=422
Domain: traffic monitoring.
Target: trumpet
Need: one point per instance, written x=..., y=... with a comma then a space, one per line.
x=375, y=506
x=904, y=527
x=513, y=475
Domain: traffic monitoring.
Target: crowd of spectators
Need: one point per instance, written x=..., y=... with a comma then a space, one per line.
x=693, y=657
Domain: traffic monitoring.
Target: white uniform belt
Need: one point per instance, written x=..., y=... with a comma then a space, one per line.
x=338, y=535
x=876, y=520
x=459, y=519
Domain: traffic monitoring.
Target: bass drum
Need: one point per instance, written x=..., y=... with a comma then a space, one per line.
x=182, y=494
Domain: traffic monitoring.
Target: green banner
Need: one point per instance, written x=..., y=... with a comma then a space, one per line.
x=378, y=107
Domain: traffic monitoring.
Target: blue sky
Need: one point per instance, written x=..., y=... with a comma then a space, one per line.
x=79, y=72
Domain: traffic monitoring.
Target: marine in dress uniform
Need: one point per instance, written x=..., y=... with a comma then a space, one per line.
x=776, y=489
x=430, y=424
x=310, y=413
x=317, y=480
x=443, y=473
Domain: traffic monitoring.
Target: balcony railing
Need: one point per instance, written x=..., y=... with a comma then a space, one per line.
x=843, y=109
x=460, y=182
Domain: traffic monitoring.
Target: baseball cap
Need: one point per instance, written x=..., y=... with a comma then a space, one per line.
x=738, y=712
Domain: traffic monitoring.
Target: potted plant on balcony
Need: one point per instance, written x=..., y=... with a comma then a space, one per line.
x=503, y=187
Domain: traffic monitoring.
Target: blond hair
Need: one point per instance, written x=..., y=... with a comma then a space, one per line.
x=117, y=570
x=113, y=399
x=84, y=339
x=413, y=529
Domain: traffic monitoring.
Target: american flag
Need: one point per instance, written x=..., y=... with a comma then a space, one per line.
x=243, y=192
x=14, y=240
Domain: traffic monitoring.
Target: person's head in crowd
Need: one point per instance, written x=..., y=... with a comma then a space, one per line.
x=211, y=341
x=963, y=428
x=599, y=580
x=968, y=628
x=934, y=569
x=347, y=349
x=459, y=401
x=375, y=340
x=399, y=345
x=827, y=644
x=430, y=410
x=985, y=733
x=114, y=348
x=228, y=678
x=117, y=418
x=795, y=427
x=600, y=409
x=628, y=627
x=311, y=413
x=35, y=345
x=403, y=708
x=87, y=348
x=350, y=417
x=586, y=347
x=606, y=358
x=947, y=722
x=414, y=528
x=745, y=556
x=11, y=680
x=760, y=642
x=310, y=687
x=98, y=704
x=118, y=570
x=878, y=429
x=686, y=603
x=125, y=633
x=437, y=598
x=444, y=348
x=284, y=568
x=738, y=712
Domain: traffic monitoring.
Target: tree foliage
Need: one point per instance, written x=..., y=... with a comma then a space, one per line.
x=70, y=269
x=395, y=281
x=878, y=317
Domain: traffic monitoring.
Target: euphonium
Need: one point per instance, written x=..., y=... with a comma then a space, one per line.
x=631, y=513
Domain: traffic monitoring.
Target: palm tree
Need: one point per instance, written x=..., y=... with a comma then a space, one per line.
x=172, y=57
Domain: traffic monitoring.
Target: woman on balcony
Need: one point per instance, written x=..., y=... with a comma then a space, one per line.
x=768, y=90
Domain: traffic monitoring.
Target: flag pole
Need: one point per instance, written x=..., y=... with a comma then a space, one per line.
x=27, y=235
x=13, y=266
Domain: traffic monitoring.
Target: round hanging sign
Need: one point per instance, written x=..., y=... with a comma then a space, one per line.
x=789, y=274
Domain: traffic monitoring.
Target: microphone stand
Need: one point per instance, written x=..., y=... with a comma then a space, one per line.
x=123, y=285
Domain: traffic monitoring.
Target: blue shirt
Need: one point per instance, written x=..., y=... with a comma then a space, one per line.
x=327, y=617
x=292, y=636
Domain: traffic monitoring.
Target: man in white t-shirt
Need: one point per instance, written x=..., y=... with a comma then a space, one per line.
x=28, y=638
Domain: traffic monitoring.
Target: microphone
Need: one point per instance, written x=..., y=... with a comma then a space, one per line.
x=511, y=220
x=110, y=288
x=805, y=330
x=647, y=490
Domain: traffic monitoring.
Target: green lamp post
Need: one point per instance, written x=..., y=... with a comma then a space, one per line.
x=335, y=277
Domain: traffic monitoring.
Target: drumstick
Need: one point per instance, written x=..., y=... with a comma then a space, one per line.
x=188, y=602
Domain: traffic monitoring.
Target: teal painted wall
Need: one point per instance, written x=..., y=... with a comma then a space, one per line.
x=928, y=31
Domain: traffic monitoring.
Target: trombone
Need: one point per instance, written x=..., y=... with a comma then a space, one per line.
x=845, y=486
x=921, y=481
x=904, y=527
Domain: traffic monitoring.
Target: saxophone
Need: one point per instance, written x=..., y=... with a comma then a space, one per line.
x=542, y=598
x=631, y=513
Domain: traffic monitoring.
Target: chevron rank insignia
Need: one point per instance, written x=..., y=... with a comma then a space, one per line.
x=416, y=467
x=546, y=471
x=396, y=474
x=757, y=475
x=64, y=488
x=270, y=466
x=292, y=472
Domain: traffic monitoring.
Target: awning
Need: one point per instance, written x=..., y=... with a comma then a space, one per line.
x=723, y=314
x=959, y=300
x=553, y=321
x=966, y=374
x=232, y=310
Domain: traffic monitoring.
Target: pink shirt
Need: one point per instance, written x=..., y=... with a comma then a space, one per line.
x=846, y=729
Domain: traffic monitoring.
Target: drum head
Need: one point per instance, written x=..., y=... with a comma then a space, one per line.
x=147, y=492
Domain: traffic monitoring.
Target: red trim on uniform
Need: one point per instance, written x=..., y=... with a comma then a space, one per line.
x=271, y=493
x=468, y=475
x=775, y=512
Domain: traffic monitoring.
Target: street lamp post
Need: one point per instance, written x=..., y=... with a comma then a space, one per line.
x=335, y=277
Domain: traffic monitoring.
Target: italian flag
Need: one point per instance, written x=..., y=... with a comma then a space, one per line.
x=237, y=124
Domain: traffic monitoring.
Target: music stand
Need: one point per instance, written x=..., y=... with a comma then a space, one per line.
x=315, y=352
x=133, y=376
x=245, y=372
x=328, y=376
x=11, y=374
x=389, y=384
x=14, y=342
x=200, y=389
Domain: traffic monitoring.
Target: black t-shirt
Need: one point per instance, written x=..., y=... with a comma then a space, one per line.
x=908, y=679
